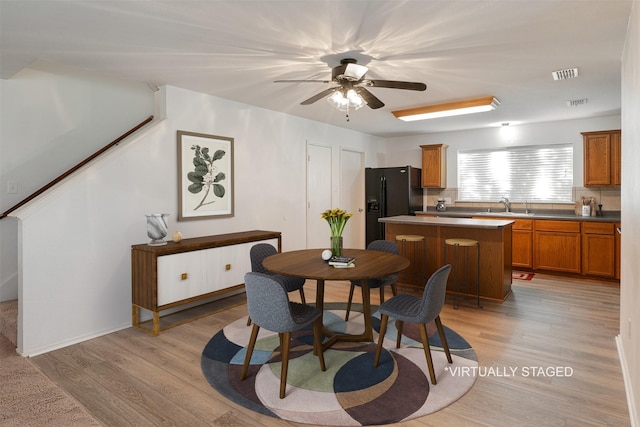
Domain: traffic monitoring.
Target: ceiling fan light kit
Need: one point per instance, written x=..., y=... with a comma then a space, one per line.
x=457, y=108
x=345, y=102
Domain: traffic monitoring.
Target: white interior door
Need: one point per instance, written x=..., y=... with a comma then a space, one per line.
x=352, y=197
x=319, y=186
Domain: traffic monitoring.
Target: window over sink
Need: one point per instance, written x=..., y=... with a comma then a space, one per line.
x=533, y=173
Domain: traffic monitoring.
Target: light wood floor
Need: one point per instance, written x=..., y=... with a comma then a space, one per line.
x=131, y=378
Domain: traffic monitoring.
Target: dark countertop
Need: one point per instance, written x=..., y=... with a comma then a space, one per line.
x=447, y=222
x=563, y=215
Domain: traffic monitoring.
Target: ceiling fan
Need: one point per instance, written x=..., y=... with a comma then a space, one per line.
x=351, y=91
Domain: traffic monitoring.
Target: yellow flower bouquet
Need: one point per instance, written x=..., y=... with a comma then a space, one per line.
x=337, y=219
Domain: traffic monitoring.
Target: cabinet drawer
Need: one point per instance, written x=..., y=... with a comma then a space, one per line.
x=561, y=226
x=190, y=274
x=598, y=227
x=182, y=276
x=229, y=265
x=522, y=224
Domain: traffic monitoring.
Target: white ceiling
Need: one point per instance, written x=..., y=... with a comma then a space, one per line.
x=235, y=49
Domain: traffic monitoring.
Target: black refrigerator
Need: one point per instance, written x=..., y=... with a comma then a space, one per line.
x=390, y=192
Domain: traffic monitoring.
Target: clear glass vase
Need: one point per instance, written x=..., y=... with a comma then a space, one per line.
x=336, y=245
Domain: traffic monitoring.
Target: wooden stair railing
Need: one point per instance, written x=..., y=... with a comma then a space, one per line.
x=75, y=168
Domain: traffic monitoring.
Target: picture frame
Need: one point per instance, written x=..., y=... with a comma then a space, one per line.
x=205, y=176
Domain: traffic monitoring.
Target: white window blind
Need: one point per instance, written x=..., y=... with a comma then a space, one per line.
x=541, y=173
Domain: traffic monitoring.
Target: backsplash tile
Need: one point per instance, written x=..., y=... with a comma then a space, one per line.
x=608, y=197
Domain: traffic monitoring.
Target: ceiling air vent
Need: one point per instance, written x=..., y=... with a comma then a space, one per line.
x=569, y=73
x=576, y=102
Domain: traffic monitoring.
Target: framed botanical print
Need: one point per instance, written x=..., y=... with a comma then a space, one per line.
x=205, y=176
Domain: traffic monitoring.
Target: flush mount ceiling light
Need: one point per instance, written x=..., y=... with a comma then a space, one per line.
x=457, y=108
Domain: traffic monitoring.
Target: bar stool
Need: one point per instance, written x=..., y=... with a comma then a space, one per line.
x=419, y=262
x=461, y=249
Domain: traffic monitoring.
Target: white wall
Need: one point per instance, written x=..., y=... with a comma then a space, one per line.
x=629, y=339
x=51, y=118
x=401, y=150
x=75, y=275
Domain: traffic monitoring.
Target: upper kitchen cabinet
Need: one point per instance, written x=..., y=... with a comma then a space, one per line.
x=434, y=166
x=602, y=157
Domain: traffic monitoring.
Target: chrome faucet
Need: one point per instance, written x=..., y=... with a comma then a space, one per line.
x=506, y=203
x=526, y=207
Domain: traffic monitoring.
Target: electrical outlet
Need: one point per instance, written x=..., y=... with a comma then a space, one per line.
x=12, y=187
x=447, y=200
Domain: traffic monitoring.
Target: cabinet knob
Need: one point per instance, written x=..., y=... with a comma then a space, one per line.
x=184, y=276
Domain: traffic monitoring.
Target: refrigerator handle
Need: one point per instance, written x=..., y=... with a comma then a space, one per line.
x=383, y=197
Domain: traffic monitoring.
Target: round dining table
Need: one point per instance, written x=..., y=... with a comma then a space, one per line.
x=308, y=264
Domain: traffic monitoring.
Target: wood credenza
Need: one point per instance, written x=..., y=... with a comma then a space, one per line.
x=175, y=274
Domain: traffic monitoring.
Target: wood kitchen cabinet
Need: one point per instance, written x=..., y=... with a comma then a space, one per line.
x=618, y=238
x=598, y=249
x=602, y=158
x=434, y=166
x=557, y=246
x=522, y=237
x=521, y=241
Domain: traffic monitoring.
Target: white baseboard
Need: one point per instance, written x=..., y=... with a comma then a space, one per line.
x=631, y=401
x=45, y=349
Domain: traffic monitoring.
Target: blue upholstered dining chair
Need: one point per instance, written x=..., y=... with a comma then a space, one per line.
x=380, y=282
x=421, y=310
x=257, y=254
x=270, y=308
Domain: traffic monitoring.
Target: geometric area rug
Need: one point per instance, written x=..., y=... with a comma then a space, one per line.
x=351, y=392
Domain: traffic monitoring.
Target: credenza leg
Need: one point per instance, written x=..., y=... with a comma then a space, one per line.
x=135, y=319
x=156, y=323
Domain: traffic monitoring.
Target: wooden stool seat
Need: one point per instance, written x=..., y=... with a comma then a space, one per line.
x=461, y=242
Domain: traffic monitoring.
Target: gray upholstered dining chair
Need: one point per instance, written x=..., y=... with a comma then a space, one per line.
x=270, y=308
x=262, y=250
x=380, y=282
x=257, y=254
x=421, y=310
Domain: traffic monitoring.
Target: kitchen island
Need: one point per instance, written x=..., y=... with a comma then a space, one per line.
x=495, y=248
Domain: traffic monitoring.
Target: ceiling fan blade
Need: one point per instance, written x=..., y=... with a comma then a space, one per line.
x=302, y=81
x=397, y=85
x=369, y=98
x=319, y=96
